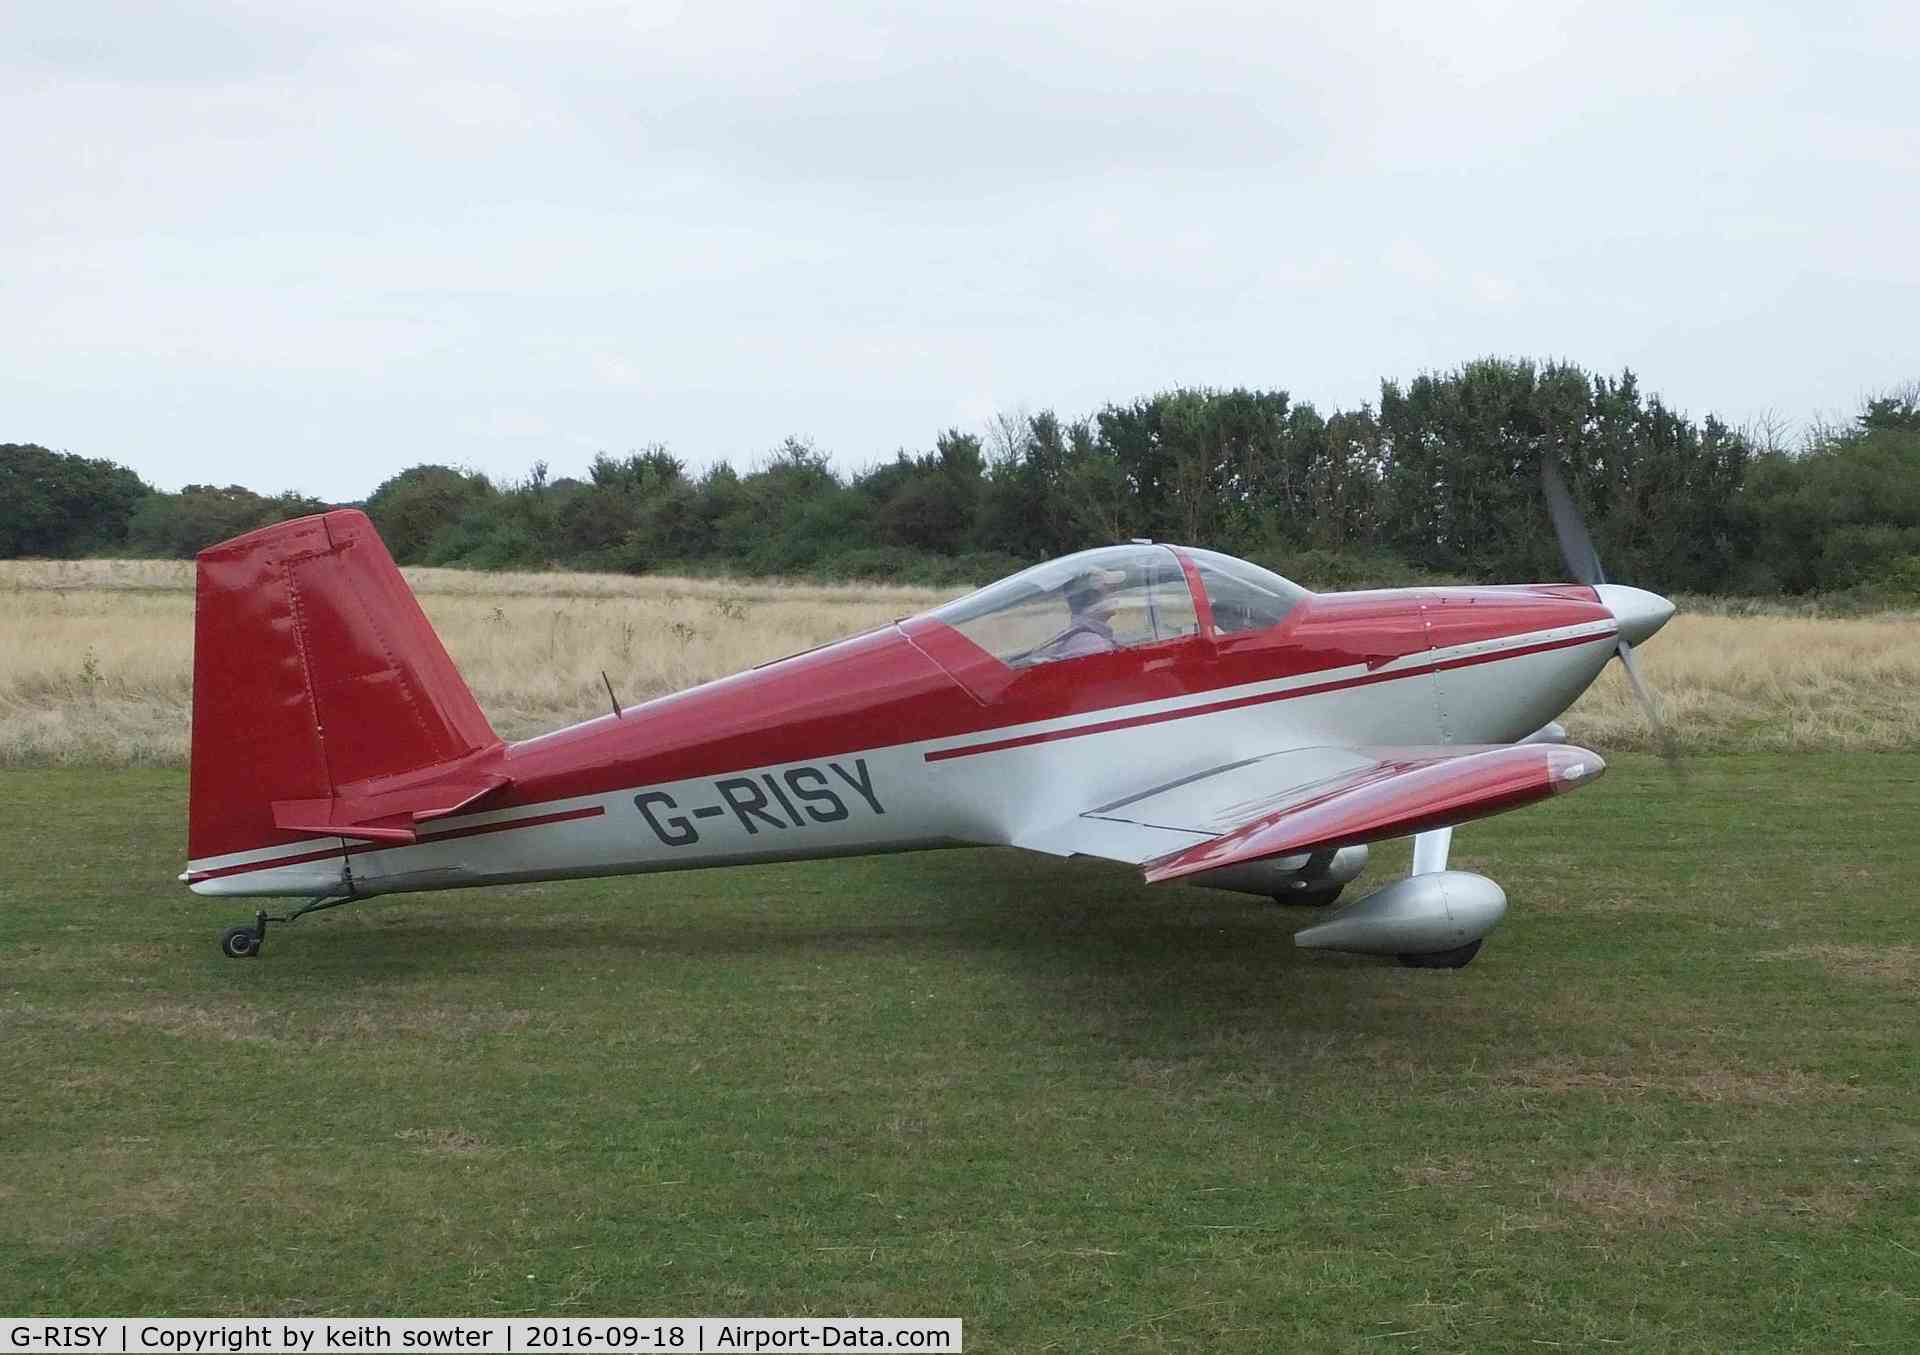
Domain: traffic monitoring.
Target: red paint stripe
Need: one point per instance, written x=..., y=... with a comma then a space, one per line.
x=1450, y=664
x=196, y=876
x=593, y=811
x=1160, y=717
x=563, y=816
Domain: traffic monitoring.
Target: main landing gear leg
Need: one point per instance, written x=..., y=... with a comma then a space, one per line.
x=243, y=942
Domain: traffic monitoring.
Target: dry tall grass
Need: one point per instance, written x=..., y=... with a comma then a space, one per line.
x=1760, y=682
x=96, y=658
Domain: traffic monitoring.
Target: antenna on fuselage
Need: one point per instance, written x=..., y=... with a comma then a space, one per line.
x=610, y=696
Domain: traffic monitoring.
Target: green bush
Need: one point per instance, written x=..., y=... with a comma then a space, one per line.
x=1900, y=580
x=61, y=505
x=181, y=525
x=420, y=503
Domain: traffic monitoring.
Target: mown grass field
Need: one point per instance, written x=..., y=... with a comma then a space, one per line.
x=1675, y=1104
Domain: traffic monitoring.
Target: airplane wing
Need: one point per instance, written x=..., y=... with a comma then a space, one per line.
x=1306, y=799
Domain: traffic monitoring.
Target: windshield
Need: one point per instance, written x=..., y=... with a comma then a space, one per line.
x=1243, y=596
x=1090, y=603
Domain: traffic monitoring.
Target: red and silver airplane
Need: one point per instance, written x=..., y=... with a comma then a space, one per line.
x=1176, y=709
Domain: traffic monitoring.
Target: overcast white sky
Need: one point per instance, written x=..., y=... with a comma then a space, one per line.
x=306, y=247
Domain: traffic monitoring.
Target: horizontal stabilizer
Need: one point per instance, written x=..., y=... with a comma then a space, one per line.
x=1400, y=793
x=388, y=816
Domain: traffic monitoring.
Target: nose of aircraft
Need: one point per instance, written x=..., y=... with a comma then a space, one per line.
x=1639, y=612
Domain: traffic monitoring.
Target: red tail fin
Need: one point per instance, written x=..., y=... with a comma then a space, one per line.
x=317, y=682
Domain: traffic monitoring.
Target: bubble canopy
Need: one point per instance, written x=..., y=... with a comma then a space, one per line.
x=1243, y=596
x=1116, y=597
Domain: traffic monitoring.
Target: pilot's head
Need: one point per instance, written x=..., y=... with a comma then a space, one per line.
x=1090, y=594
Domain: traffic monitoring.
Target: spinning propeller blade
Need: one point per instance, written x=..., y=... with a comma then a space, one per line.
x=1663, y=735
x=1639, y=612
x=1576, y=547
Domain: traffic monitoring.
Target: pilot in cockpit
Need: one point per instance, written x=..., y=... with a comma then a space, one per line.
x=1090, y=609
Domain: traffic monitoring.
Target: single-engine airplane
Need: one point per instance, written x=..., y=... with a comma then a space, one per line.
x=1170, y=707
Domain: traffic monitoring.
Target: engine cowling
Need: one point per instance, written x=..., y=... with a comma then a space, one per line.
x=1420, y=915
x=1284, y=875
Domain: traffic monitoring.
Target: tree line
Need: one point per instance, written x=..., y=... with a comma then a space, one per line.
x=1439, y=480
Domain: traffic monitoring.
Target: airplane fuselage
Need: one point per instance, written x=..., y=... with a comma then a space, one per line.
x=911, y=736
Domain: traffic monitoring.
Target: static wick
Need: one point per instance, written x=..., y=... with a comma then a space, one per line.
x=610, y=696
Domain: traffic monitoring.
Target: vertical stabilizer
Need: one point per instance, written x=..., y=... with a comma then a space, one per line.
x=316, y=677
